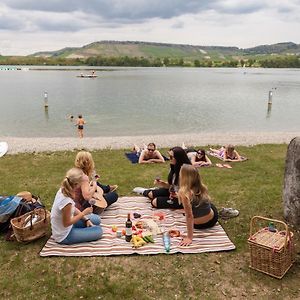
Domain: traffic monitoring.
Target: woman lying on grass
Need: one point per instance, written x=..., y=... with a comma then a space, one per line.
x=69, y=224
x=200, y=213
x=199, y=158
x=228, y=153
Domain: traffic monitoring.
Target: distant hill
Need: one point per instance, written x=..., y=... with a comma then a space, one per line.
x=162, y=50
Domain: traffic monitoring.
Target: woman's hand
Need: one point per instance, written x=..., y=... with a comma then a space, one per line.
x=87, y=211
x=89, y=223
x=185, y=241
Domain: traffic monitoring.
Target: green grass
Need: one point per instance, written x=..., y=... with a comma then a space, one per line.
x=254, y=187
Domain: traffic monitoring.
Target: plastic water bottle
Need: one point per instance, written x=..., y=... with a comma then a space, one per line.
x=272, y=227
x=166, y=240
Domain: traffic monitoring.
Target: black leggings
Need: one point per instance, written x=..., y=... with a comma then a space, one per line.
x=210, y=223
x=163, y=200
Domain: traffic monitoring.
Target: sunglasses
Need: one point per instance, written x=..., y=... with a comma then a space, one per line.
x=152, y=150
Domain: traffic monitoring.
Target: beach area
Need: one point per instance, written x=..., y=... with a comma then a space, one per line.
x=34, y=145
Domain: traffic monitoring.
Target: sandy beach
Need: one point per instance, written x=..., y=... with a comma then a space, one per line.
x=30, y=145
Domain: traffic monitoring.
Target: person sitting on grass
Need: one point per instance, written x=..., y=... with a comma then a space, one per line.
x=85, y=191
x=200, y=213
x=199, y=158
x=228, y=153
x=166, y=194
x=149, y=155
x=69, y=224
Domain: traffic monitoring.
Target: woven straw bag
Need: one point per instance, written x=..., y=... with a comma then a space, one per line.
x=32, y=225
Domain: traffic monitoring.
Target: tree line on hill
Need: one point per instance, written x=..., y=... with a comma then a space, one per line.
x=125, y=61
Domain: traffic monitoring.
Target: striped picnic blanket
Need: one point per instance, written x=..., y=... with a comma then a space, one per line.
x=206, y=240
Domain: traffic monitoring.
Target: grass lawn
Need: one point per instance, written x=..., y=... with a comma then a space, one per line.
x=254, y=187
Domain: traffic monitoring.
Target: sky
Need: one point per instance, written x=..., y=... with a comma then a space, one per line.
x=29, y=26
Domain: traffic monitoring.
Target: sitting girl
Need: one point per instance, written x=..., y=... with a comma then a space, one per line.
x=69, y=224
x=199, y=211
x=166, y=194
x=85, y=191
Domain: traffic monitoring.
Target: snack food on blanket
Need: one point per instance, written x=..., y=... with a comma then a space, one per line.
x=152, y=226
x=137, y=241
x=160, y=216
x=174, y=233
x=140, y=224
x=148, y=238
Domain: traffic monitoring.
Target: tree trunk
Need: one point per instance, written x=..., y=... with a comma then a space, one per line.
x=291, y=189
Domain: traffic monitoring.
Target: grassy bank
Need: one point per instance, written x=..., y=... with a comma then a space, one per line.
x=254, y=187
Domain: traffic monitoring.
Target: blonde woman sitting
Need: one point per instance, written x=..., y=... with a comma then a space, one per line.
x=69, y=224
x=88, y=187
x=200, y=213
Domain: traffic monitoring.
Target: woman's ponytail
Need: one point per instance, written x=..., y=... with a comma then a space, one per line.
x=71, y=180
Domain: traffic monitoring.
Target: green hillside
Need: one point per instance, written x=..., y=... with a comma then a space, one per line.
x=146, y=54
x=175, y=51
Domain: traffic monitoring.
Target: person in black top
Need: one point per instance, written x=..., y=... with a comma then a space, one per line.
x=166, y=195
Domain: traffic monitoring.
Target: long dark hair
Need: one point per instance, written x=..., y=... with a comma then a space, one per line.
x=181, y=158
x=202, y=153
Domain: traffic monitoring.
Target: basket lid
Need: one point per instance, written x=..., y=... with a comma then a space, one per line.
x=268, y=239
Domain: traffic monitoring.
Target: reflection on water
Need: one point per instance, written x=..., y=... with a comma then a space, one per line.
x=269, y=110
x=46, y=113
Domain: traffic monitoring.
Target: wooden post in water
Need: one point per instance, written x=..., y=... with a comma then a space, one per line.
x=46, y=100
x=270, y=97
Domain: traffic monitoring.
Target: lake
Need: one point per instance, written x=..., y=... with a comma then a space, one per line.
x=141, y=101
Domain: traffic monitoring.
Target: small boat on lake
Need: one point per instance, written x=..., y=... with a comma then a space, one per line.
x=87, y=75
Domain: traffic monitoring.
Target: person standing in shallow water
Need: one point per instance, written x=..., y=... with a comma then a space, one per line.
x=79, y=123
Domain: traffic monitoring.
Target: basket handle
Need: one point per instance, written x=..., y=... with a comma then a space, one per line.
x=256, y=218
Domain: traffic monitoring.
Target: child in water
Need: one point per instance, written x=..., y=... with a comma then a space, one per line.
x=79, y=123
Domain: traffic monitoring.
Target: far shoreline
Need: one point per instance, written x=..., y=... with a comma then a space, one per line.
x=47, y=144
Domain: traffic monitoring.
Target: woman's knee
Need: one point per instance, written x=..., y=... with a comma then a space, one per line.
x=154, y=202
x=150, y=195
x=95, y=219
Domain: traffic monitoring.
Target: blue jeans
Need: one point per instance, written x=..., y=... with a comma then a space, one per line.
x=80, y=233
x=110, y=197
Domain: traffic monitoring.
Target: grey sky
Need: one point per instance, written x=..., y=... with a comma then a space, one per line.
x=28, y=26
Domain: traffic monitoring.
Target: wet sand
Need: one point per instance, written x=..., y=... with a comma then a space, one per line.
x=30, y=145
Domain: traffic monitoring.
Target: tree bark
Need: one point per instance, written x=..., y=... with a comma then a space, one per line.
x=291, y=189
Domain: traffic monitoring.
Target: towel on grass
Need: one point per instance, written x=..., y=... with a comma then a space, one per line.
x=134, y=158
x=206, y=240
x=211, y=153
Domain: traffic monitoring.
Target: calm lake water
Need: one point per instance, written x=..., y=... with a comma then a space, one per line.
x=138, y=101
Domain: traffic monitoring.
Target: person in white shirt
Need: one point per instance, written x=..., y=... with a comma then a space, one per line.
x=69, y=224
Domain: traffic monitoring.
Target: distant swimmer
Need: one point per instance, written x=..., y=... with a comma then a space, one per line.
x=70, y=117
x=79, y=123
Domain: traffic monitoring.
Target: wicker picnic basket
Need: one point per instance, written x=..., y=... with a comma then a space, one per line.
x=26, y=229
x=271, y=251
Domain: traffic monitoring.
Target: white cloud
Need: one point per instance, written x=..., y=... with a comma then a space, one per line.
x=28, y=26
